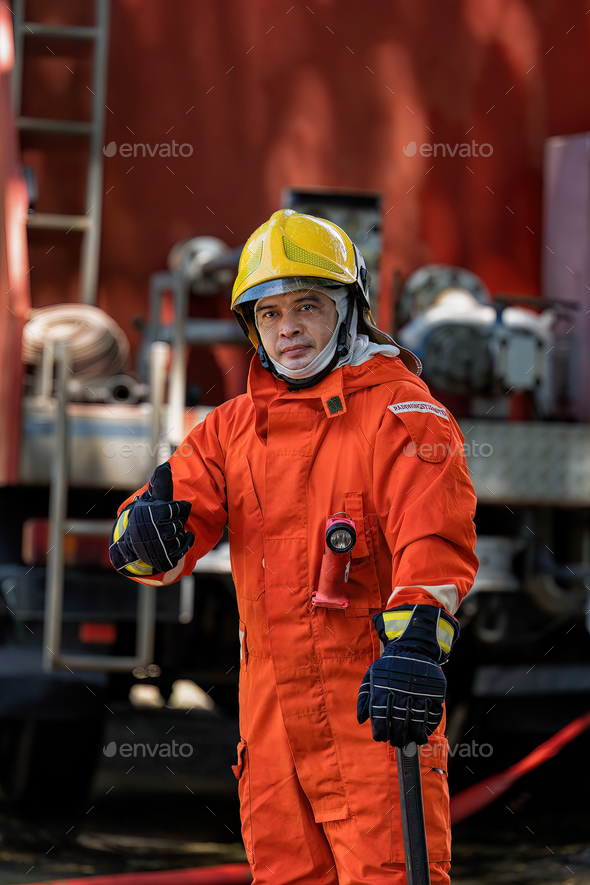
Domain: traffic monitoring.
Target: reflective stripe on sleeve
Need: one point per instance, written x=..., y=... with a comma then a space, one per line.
x=446, y=594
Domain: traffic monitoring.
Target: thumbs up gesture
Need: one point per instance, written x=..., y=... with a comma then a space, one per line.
x=149, y=536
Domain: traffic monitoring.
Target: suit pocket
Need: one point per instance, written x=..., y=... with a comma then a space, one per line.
x=243, y=638
x=435, y=799
x=362, y=589
x=242, y=773
x=246, y=529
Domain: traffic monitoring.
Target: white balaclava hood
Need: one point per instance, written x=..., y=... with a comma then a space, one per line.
x=360, y=349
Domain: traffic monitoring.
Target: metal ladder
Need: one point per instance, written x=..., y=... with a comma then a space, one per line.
x=90, y=226
x=89, y=223
x=53, y=657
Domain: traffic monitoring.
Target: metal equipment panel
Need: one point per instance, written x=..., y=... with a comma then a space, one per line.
x=525, y=463
x=110, y=445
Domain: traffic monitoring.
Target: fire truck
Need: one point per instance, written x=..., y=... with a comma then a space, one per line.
x=84, y=424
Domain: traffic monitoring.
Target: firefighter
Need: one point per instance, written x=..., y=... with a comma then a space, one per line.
x=335, y=420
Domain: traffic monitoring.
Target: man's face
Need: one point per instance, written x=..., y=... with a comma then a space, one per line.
x=296, y=326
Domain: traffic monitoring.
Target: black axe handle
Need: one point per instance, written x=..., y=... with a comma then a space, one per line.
x=414, y=830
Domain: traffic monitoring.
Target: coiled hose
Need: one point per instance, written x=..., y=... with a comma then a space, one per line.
x=98, y=345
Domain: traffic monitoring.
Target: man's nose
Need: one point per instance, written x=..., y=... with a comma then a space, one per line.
x=289, y=324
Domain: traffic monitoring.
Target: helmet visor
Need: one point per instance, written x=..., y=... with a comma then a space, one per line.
x=285, y=284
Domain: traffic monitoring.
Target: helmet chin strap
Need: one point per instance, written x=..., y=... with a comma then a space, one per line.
x=342, y=347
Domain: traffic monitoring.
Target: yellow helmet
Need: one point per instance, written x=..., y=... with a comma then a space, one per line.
x=312, y=250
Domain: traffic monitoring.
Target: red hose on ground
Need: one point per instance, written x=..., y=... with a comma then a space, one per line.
x=228, y=874
x=479, y=795
x=463, y=805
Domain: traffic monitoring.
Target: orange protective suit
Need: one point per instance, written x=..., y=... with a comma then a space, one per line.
x=319, y=797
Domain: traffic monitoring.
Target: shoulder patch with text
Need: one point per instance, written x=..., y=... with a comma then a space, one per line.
x=419, y=406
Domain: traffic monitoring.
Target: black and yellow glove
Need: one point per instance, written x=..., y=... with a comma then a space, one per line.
x=148, y=536
x=403, y=690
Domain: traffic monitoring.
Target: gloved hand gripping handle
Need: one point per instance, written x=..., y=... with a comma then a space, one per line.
x=403, y=690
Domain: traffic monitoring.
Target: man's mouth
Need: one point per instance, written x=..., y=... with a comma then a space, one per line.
x=295, y=350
